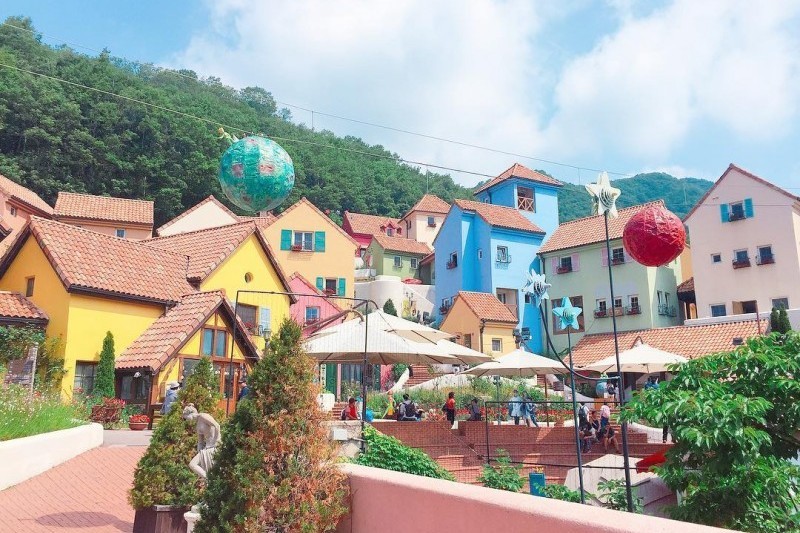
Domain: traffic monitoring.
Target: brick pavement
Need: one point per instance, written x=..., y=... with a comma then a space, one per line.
x=88, y=493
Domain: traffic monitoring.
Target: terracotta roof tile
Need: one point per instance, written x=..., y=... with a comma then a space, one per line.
x=13, y=305
x=486, y=305
x=169, y=333
x=590, y=230
x=210, y=199
x=262, y=222
x=369, y=224
x=429, y=203
x=499, y=215
x=687, y=341
x=24, y=195
x=520, y=171
x=401, y=244
x=307, y=202
x=103, y=208
x=87, y=260
x=687, y=286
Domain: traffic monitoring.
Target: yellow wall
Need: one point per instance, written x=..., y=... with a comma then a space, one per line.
x=250, y=258
x=335, y=262
x=461, y=320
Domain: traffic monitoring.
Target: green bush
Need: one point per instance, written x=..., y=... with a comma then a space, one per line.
x=504, y=475
x=104, y=380
x=389, y=308
x=397, y=370
x=23, y=415
x=389, y=453
x=561, y=492
x=614, y=496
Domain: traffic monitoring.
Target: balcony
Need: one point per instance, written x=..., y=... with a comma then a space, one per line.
x=600, y=313
x=524, y=204
x=741, y=263
x=431, y=224
x=443, y=309
x=451, y=265
x=765, y=259
x=297, y=247
x=503, y=260
x=564, y=269
x=617, y=261
x=733, y=217
x=666, y=310
x=330, y=292
x=633, y=310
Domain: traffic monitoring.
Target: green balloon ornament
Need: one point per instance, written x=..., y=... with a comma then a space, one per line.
x=255, y=173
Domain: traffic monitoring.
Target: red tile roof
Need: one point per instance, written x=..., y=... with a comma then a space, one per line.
x=520, y=171
x=368, y=224
x=87, y=261
x=687, y=341
x=747, y=173
x=307, y=202
x=429, y=203
x=402, y=245
x=103, y=208
x=499, y=215
x=428, y=259
x=210, y=199
x=590, y=230
x=486, y=306
x=14, y=307
x=24, y=195
x=169, y=333
x=686, y=286
x=262, y=222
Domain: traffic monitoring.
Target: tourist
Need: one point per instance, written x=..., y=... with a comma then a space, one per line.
x=610, y=437
x=588, y=436
x=515, y=407
x=611, y=391
x=170, y=397
x=450, y=408
x=474, y=411
x=351, y=411
x=407, y=412
x=243, y=391
x=390, y=407
x=583, y=414
x=529, y=410
x=605, y=415
x=651, y=383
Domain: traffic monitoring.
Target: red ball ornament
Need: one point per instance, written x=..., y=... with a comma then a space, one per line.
x=654, y=236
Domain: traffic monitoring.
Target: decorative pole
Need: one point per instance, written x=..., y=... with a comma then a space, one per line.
x=568, y=316
x=605, y=203
x=536, y=287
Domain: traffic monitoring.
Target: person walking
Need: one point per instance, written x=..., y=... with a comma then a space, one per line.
x=515, y=407
x=243, y=391
x=170, y=397
x=450, y=408
x=529, y=410
x=474, y=411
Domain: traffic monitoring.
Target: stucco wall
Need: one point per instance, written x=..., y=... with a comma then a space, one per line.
x=17, y=221
x=419, y=230
x=132, y=232
x=448, y=281
x=208, y=215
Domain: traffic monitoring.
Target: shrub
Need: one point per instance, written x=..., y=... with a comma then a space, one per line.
x=561, y=492
x=504, y=475
x=389, y=308
x=784, y=326
x=275, y=468
x=389, y=453
x=614, y=496
x=15, y=341
x=23, y=415
x=162, y=476
x=104, y=380
x=397, y=371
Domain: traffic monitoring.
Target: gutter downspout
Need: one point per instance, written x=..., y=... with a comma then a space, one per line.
x=483, y=325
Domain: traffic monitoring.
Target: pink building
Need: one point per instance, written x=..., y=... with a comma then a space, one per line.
x=118, y=217
x=363, y=227
x=17, y=204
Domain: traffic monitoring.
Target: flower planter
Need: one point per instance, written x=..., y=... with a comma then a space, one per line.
x=160, y=519
x=137, y=426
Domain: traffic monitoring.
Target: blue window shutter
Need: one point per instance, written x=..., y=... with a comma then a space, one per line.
x=723, y=213
x=748, y=207
x=319, y=241
x=264, y=316
x=321, y=283
x=342, y=287
x=286, y=239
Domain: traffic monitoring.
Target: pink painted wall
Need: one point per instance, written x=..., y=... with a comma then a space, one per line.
x=298, y=310
x=447, y=506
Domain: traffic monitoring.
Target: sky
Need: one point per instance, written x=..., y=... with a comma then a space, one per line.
x=681, y=86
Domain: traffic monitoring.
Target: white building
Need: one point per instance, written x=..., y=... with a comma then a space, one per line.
x=745, y=243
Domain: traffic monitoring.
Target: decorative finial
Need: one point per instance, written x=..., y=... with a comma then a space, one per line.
x=536, y=287
x=604, y=195
x=568, y=315
x=222, y=134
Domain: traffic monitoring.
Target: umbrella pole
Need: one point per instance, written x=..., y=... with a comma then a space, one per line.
x=575, y=415
x=364, y=385
x=546, y=403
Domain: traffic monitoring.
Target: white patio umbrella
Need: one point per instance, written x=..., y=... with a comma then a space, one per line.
x=405, y=328
x=642, y=359
x=518, y=363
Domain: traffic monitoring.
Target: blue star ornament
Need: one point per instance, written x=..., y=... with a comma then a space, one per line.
x=536, y=287
x=604, y=195
x=568, y=315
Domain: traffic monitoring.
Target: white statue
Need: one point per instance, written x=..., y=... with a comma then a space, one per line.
x=208, y=433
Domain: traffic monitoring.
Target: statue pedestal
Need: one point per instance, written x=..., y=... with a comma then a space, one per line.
x=191, y=517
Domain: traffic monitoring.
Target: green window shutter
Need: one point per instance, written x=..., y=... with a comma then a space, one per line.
x=748, y=207
x=319, y=241
x=286, y=239
x=723, y=213
x=321, y=283
x=342, y=287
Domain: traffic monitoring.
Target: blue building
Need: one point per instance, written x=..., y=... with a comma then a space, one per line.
x=491, y=245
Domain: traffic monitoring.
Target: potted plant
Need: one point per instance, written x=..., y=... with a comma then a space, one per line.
x=138, y=422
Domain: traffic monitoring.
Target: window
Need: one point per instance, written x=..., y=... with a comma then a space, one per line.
x=480, y=253
x=249, y=315
x=330, y=285
x=468, y=340
x=431, y=222
x=527, y=298
x=525, y=199
x=497, y=345
x=502, y=254
x=390, y=232
x=741, y=256
x=214, y=342
x=502, y=297
x=737, y=211
x=778, y=303
x=634, y=301
x=617, y=256
x=398, y=261
x=565, y=264
x=718, y=310
x=120, y=233
x=303, y=240
x=408, y=225
x=765, y=256
x=414, y=263
x=660, y=296
x=188, y=366
x=29, y=283
x=716, y=258
x=617, y=303
x=453, y=262
x=84, y=377
x=134, y=388
x=312, y=315
x=12, y=210
x=602, y=308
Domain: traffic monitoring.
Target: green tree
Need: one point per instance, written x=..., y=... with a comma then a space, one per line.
x=784, y=326
x=735, y=417
x=104, y=378
x=388, y=308
x=383, y=451
x=774, y=320
x=275, y=467
x=504, y=475
x=162, y=476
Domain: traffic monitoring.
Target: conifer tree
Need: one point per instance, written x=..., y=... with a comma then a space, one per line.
x=774, y=323
x=784, y=326
x=162, y=476
x=275, y=469
x=389, y=308
x=104, y=380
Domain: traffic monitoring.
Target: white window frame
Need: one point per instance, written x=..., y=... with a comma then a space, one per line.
x=398, y=262
x=631, y=298
x=716, y=254
x=772, y=301
x=414, y=263
x=499, y=345
x=621, y=258
x=503, y=257
x=601, y=304
x=302, y=241
x=335, y=286
x=315, y=311
x=12, y=210
x=736, y=254
x=120, y=232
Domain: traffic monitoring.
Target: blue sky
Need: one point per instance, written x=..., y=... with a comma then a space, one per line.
x=681, y=86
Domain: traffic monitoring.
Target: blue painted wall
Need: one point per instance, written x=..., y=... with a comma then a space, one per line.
x=545, y=200
x=449, y=239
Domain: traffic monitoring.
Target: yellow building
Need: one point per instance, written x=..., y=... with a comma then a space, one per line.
x=481, y=322
x=308, y=242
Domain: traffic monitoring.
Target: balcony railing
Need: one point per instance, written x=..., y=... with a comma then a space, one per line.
x=451, y=265
x=563, y=269
x=666, y=310
x=310, y=321
x=431, y=224
x=765, y=259
x=741, y=263
x=503, y=260
x=330, y=292
x=524, y=204
x=604, y=313
x=633, y=310
x=736, y=216
x=600, y=313
x=617, y=260
x=443, y=309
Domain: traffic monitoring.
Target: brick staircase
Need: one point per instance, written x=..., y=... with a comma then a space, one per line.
x=420, y=374
x=336, y=412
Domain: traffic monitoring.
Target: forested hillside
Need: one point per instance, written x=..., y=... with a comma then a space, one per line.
x=56, y=136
